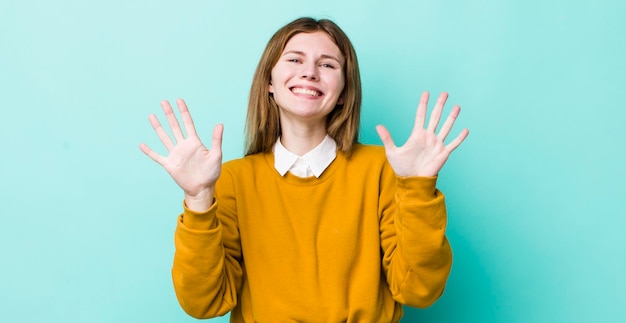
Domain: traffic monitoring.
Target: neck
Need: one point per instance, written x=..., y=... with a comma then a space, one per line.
x=300, y=140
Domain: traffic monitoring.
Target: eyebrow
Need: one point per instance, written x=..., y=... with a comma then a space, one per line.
x=297, y=52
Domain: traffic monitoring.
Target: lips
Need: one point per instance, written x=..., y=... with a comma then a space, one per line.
x=308, y=91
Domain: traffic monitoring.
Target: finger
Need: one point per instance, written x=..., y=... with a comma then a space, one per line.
x=216, y=140
x=150, y=153
x=385, y=137
x=190, y=129
x=163, y=136
x=172, y=121
x=420, y=115
x=447, y=126
x=458, y=140
x=436, y=114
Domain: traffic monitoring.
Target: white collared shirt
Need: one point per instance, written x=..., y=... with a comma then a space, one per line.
x=310, y=164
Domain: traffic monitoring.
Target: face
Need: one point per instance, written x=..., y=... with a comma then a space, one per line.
x=307, y=81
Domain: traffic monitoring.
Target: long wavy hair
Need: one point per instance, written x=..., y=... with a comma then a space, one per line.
x=263, y=119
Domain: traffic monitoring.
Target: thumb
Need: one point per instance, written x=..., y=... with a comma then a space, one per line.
x=150, y=153
x=216, y=140
x=385, y=137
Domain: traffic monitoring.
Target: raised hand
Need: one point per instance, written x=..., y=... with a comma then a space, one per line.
x=425, y=152
x=192, y=166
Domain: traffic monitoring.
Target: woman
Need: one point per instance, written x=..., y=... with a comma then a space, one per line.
x=310, y=225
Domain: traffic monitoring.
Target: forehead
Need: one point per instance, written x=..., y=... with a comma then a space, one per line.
x=314, y=44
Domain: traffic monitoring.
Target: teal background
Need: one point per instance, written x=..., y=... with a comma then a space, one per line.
x=537, y=211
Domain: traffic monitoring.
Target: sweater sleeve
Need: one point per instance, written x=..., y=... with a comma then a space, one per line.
x=416, y=254
x=207, y=270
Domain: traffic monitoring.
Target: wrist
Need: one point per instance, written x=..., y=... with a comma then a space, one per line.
x=200, y=202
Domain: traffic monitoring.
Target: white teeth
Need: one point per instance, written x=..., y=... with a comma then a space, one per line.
x=299, y=90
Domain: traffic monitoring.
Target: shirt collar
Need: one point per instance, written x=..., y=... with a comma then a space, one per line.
x=318, y=159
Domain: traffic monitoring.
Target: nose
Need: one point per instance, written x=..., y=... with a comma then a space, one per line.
x=309, y=72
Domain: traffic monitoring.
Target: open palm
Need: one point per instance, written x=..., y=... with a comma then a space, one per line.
x=193, y=167
x=424, y=152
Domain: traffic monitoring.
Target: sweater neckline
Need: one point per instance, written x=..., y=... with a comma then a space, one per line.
x=306, y=181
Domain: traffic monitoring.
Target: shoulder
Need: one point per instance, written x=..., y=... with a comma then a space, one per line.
x=362, y=152
x=242, y=172
x=366, y=159
x=248, y=164
x=367, y=167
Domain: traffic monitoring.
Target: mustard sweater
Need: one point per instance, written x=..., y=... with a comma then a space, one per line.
x=349, y=246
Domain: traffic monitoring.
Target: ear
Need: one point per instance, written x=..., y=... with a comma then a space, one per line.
x=340, y=100
x=271, y=88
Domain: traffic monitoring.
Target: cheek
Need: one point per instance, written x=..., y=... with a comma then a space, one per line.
x=341, y=84
x=273, y=77
x=341, y=87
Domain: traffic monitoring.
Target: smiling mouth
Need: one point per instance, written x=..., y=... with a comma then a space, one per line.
x=309, y=92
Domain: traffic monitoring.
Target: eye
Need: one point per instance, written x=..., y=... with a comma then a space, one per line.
x=294, y=60
x=327, y=65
